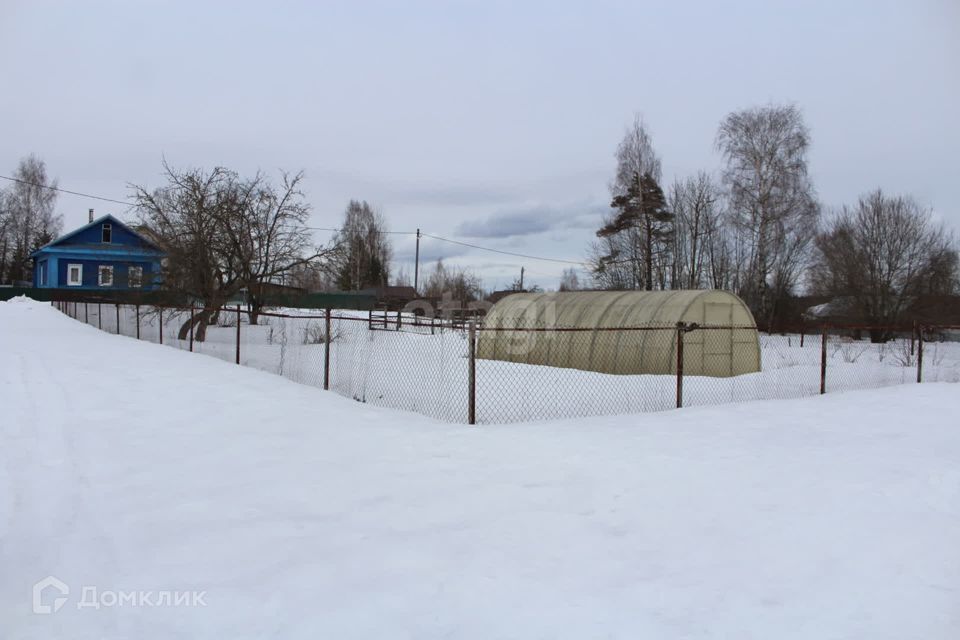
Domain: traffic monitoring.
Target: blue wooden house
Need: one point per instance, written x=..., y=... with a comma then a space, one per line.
x=104, y=254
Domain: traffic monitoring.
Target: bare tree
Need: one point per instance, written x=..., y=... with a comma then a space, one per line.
x=315, y=276
x=569, y=281
x=27, y=218
x=456, y=283
x=772, y=201
x=615, y=261
x=269, y=236
x=881, y=254
x=635, y=157
x=186, y=217
x=365, y=250
x=223, y=234
x=402, y=279
x=695, y=201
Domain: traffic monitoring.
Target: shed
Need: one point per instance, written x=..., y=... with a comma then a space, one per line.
x=587, y=330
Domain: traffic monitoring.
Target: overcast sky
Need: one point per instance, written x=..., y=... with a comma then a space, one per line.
x=493, y=123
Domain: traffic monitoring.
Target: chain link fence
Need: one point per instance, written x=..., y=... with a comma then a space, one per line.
x=461, y=372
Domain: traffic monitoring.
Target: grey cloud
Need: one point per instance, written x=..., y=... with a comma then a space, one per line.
x=533, y=220
x=397, y=193
x=430, y=251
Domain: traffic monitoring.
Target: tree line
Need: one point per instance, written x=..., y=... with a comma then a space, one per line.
x=757, y=228
x=28, y=219
x=754, y=227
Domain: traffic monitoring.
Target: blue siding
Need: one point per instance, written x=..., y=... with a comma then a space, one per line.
x=120, y=237
x=120, y=267
x=41, y=275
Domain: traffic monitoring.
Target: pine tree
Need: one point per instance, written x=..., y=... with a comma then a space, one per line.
x=644, y=216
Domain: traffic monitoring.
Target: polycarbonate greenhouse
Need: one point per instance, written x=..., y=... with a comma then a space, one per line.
x=623, y=332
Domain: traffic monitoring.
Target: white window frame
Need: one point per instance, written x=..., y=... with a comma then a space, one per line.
x=70, y=280
x=137, y=282
x=101, y=281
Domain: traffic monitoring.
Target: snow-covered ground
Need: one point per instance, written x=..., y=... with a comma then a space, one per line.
x=283, y=511
x=427, y=370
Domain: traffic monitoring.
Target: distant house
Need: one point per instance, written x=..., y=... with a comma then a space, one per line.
x=104, y=254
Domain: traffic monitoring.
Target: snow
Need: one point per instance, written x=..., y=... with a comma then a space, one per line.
x=302, y=514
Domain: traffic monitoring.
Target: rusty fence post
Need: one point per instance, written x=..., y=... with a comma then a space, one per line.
x=326, y=351
x=823, y=360
x=920, y=354
x=472, y=375
x=118, y=319
x=192, y=321
x=136, y=311
x=238, y=333
x=680, y=331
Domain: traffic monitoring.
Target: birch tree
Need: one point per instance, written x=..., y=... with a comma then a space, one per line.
x=28, y=219
x=695, y=202
x=772, y=201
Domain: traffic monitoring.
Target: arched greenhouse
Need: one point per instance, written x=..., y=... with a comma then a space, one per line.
x=623, y=332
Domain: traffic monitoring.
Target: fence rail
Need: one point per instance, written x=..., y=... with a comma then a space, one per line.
x=461, y=371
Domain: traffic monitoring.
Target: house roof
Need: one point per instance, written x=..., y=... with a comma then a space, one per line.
x=107, y=218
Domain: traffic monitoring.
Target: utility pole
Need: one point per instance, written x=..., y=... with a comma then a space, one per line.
x=521, y=278
x=416, y=265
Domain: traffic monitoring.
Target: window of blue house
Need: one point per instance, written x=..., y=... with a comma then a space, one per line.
x=107, y=235
x=74, y=275
x=43, y=274
x=135, y=276
x=105, y=276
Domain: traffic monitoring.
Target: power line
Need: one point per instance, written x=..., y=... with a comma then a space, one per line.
x=506, y=253
x=407, y=233
x=73, y=193
x=472, y=246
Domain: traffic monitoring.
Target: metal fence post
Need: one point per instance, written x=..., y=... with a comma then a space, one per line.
x=326, y=351
x=191, y=326
x=99, y=317
x=238, y=334
x=160, y=318
x=118, y=318
x=913, y=338
x=802, y=332
x=472, y=375
x=137, y=311
x=680, y=332
x=920, y=354
x=823, y=360
x=86, y=314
